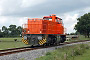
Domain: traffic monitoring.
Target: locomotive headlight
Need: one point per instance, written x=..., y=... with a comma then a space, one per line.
x=39, y=37
x=25, y=37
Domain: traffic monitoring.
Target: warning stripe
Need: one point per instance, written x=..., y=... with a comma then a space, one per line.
x=24, y=41
x=41, y=42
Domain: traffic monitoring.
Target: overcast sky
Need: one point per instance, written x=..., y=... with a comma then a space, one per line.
x=17, y=11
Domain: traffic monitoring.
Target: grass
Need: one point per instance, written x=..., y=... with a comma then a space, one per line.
x=10, y=43
x=10, y=39
x=76, y=52
x=81, y=37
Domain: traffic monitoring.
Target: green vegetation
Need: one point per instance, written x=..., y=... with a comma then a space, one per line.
x=83, y=25
x=11, y=43
x=11, y=31
x=76, y=52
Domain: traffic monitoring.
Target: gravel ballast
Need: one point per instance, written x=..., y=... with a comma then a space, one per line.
x=32, y=55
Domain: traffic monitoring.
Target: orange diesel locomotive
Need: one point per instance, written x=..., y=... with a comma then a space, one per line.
x=48, y=30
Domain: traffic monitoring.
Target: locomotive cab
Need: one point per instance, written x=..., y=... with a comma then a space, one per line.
x=57, y=19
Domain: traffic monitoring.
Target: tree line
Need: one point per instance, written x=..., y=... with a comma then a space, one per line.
x=83, y=25
x=11, y=31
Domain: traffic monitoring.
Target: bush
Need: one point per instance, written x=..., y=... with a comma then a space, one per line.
x=77, y=52
x=87, y=47
x=81, y=49
x=82, y=45
x=48, y=53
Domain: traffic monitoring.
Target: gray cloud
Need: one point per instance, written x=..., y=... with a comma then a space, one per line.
x=13, y=8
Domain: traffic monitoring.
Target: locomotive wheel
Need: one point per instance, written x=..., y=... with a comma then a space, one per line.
x=63, y=38
x=54, y=40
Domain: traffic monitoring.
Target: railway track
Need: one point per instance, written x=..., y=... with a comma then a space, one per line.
x=23, y=49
